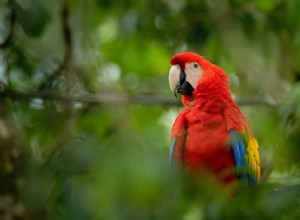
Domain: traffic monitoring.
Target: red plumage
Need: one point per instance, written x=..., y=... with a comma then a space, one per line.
x=202, y=129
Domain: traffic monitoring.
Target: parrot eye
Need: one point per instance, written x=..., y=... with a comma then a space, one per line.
x=195, y=65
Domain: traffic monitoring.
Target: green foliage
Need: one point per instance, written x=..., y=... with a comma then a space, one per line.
x=32, y=17
x=80, y=160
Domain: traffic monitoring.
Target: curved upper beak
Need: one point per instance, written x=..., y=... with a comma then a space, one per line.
x=174, y=77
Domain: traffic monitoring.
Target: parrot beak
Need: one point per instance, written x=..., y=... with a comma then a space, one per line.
x=174, y=77
x=178, y=83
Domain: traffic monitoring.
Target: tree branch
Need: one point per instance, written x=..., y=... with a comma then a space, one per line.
x=120, y=98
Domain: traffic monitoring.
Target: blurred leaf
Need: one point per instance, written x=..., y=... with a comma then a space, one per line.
x=32, y=17
x=292, y=6
x=266, y=5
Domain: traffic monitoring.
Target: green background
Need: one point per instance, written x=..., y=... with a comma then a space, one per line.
x=103, y=159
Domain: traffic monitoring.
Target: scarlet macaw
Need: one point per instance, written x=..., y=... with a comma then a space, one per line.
x=211, y=132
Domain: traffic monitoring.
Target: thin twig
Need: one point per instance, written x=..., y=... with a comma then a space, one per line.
x=120, y=98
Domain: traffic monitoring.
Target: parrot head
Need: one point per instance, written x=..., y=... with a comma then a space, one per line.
x=188, y=69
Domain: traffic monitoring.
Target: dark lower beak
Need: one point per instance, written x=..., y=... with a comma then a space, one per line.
x=183, y=87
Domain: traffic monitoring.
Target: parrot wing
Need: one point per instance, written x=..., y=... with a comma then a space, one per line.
x=178, y=138
x=246, y=155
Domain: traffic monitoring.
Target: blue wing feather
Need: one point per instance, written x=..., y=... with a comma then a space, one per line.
x=239, y=153
x=172, y=148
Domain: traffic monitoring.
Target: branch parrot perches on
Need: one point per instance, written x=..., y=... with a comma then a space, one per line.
x=210, y=133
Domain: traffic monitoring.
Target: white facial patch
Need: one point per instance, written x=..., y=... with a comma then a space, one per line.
x=193, y=73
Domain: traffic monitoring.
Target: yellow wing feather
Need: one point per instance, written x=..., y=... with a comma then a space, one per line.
x=252, y=157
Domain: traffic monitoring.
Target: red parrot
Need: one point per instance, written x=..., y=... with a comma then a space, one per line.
x=210, y=133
